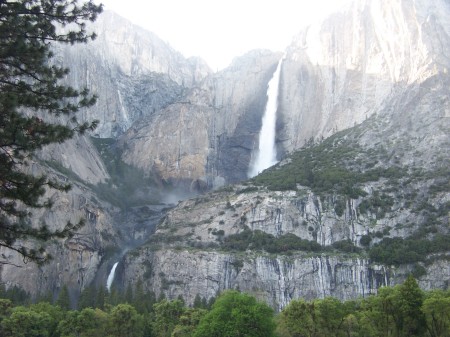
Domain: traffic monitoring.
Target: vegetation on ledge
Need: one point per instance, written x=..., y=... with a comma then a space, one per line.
x=336, y=165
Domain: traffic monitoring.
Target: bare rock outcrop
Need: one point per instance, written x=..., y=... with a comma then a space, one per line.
x=75, y=261
x=133, y=72
x=339, y=72
x=208, y=136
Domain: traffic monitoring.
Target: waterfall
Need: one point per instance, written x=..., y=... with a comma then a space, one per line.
x=266, y=155
x=110, y=279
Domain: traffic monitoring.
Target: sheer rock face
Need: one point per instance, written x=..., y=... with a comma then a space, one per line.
x=276, y=280
x=335, y=74
x=75, y=261
x=133, y=72
x=79, y=156
x=208, y=136
x=343, y=70
x=240, y=99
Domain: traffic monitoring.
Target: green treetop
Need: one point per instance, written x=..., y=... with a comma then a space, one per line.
x=237, y=314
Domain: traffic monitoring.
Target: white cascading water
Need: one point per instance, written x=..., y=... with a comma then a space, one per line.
x=110, y=279
x=266, y=155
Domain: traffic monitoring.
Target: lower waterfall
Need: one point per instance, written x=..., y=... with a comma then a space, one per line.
x=266, y=155
x=110, y=279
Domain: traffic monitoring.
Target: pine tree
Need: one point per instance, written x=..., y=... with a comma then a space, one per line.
x=101, y=293
x=409, y=303
x=87, y=297
x=30, y=99
x=63, y=300
x=198, y=301
x=129, y=298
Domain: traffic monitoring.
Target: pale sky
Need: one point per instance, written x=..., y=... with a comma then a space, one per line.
x=219, y=30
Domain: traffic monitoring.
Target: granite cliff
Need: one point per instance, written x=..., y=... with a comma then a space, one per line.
x=206, y=139
x=134, y=74
x=335, y=74
x=328, y=219
x=342, y=71
x=362, y=131
x=325, y=222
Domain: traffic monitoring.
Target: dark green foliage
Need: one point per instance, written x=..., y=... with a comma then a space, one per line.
x=339, y=206
x=297, y=319
x=346, y=246
x=29, y=83
x=17, y=295
x=259, y=240
x=327, y=168
x=143, y=300
x=87, y=323
x=436, y=307
x=418, y=271
x=400, y=311
x=378, y=204
x=239, y=241
x=63, y=300
x=249, y=189
x=55, y=313
x=167, y=315
x=410, y=301
x=365, y=240
x=219, y=232
x=24, y=322
x=87, y=298
x=100, y=297
x=188, y=322
x=198, y=303
x=396, y=251
x=235, y=314
x=125, y=321
x=394, y=311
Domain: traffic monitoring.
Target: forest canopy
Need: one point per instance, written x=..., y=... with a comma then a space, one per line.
x=403, y=311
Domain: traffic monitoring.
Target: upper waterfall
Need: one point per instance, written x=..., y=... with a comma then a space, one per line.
x=266, y=154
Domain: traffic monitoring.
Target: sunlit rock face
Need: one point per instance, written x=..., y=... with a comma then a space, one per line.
x=207, y=137
x=133, y=72
x=339, y=72
x=79, y=156
x=336, y=74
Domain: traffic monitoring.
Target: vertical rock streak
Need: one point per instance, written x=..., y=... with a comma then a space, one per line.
x=266, y=155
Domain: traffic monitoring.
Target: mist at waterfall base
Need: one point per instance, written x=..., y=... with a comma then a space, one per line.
x=266, y=154
x=111, y=275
